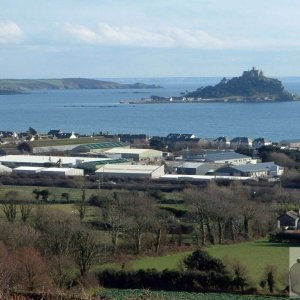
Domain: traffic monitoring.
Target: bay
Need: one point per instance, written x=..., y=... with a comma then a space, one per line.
x=88, y=111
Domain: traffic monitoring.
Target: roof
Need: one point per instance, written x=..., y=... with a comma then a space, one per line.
x=130, y=151
x=254, y=167
x=241, y=139
x=39, y=159
x=4, y=169
x=291, y=214
x=190, y=165
x=57, y=169
x=104, y=145
x=223, y=155
x=290, y=141
x=117, y=168
x=29, y=168
x=94, y=164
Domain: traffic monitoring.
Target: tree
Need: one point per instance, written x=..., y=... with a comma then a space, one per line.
x=65, y=196
x=201, y=261
x=36, y=193
x=84, y=249
x=81, y=205
x=115, y=219
x=32, y=131
x=32, y=269
x=45, y=195
x=24, y=147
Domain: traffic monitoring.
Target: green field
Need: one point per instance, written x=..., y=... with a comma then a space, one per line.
x=254, y=255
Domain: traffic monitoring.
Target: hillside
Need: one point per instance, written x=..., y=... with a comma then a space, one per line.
x=15, y=86
x=252, y=85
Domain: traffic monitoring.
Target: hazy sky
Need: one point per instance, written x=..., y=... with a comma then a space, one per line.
x=145, y=38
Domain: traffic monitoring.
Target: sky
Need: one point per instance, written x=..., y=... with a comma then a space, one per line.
x=148, y=38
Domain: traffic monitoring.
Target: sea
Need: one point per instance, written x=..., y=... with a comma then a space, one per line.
x=94, y=111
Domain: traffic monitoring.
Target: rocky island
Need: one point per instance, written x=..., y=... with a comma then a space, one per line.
x=251, y=86
x=19, y=86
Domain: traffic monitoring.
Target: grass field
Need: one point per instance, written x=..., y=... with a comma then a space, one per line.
x=254, y=255
x=25, y=192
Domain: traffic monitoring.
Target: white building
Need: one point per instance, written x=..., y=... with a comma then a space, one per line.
x=62, y=172
x=136, y=154
x=29, y=170
x=44, y=161
x=131, y=171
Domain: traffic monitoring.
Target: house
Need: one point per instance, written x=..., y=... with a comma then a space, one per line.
x=54, y=132
x=123, y=171
x=241, y=141
x=223, y=157
x=67, y=135
x=260, y=142
x=180, y=137
x=290, y=220
x=222, y=141
x=295, y=143
x=8, y=134
x=268, y=169
x=134, y=138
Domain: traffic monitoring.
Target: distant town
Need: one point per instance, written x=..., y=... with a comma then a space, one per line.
x=173, y=158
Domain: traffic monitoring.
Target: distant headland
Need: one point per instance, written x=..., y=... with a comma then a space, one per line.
x=251, y=86
x=19, y=86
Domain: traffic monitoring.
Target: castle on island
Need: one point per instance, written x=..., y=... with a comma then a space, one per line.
x=253, y=73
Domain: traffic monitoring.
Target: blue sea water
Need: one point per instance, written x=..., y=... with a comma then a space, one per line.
x=88, y=111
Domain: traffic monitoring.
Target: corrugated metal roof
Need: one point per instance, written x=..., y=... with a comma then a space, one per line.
x=226, y=155
x=116, y=168
x=104, y=145
x=254, y=167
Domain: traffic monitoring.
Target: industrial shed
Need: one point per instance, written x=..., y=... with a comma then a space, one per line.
x=136, y=154
x=28, y=170
x=5, y=170
x=92, y=166
x=251, y=170
x=130, y=171
x=44, y=161
x=97, y=148
x=197, y=168
x=62, y=172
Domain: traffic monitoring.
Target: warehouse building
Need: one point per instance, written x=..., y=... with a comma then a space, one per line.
x=5, y=170
x=14, y=161
x=136, y=154
x=268, y=169
x=223, y=157
x=27, y=170
x=62, y=172
x=130, y=171
x=92, y=166
x=197, y=168
x=97, y=148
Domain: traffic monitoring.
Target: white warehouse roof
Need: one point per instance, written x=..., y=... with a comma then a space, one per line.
x=133, y=169
x=129, y=151
x=29, y=168
x=38, y=159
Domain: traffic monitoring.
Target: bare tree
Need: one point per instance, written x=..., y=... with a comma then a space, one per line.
x=84, y=249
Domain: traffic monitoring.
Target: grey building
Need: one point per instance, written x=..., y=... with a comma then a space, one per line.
x=197, y=168
x=222, y=157
x=251, y=170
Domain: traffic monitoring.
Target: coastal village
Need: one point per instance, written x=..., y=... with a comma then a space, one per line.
x=175, y=157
